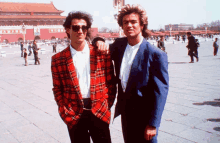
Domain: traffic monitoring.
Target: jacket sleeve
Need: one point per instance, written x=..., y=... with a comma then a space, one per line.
x=160, y=83
x=66, y=110
x=110, y=79
x=57, y=84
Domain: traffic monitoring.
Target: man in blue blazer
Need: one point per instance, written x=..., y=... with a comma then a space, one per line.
x=141, y=75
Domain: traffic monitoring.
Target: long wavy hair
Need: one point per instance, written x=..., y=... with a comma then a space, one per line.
x=135, y=8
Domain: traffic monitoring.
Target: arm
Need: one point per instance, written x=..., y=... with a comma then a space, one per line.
x=57, y=84
x=160, y=84
x=110, y=79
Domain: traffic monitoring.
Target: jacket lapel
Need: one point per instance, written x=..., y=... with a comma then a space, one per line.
x=93, y=67
x=72, y=71
x=121, y=49
x=136, y=62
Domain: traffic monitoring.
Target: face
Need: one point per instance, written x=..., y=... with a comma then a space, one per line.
x=188, y=35
x=131, y=25
x=77, y=30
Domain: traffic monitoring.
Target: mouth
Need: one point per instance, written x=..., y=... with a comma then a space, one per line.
x=129, y=31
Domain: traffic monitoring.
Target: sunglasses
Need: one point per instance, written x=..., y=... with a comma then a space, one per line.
x=76, y=28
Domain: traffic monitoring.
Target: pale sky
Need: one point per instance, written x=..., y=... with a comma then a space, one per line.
x=160, y=12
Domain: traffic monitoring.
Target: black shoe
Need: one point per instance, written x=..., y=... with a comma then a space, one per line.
x=197, y=59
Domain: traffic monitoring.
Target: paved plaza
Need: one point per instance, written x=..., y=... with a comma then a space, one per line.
x=29, y=114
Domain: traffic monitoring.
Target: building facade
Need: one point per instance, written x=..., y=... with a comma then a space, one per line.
x=26, y=21
x=179, y=27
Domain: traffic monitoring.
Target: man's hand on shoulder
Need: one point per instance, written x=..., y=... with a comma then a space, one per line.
x=102, y=46
x=149, y=132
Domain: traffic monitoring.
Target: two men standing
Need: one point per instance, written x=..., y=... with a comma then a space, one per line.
x=84, y=82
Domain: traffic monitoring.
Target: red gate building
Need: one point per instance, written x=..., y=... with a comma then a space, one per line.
x=26, y=21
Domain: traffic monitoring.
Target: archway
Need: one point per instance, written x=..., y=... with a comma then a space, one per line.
x=37, y=38
x=6, y=41
x=53, y=38
x=20, y=39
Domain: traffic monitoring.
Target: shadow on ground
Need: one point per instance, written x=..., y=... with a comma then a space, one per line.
x=215, y=103
x=217, y=129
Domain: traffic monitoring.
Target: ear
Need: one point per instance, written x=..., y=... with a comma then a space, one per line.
x=68, y=30
x=142, y=27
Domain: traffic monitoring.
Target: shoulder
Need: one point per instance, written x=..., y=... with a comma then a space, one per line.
x=119, y=40
x=60, y=55
x=152, y=51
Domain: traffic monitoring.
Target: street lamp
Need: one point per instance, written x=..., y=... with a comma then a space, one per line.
x=170, y=29
x=206, y=30
x=118, y=7
x=23, y=31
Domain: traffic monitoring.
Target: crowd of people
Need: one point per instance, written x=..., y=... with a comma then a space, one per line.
x=33, y=47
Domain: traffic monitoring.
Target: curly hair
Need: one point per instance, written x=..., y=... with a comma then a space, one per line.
x=135, y=8
x=78, y=15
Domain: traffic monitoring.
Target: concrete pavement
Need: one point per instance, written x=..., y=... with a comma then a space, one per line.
x=28, y=112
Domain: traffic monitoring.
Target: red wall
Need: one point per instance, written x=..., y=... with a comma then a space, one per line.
x=44, y=34
x=10, y=37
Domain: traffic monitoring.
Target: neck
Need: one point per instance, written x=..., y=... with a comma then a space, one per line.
x=134, y=40
x=78, y=46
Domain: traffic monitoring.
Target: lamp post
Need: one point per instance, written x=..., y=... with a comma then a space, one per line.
x=118, y=7
x=23, y=31
x=170, y=29
x=206, y=30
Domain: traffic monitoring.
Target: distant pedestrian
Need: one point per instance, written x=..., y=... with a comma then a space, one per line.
x=184, y=38
x=215, y=46
x=22, y=49
x=25, y=56
x=29, y=49
x=54, y=47
x=192, y=48
x=36, y=49
x=161, y=44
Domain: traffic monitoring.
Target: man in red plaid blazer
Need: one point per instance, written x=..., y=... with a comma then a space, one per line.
x=83, y=83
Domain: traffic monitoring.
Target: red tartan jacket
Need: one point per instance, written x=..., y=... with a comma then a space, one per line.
x=67, y=91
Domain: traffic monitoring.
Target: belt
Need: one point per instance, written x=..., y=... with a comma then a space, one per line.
x=87, y=103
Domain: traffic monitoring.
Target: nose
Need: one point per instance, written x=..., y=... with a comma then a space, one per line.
x=129, y=24
x=80, y=30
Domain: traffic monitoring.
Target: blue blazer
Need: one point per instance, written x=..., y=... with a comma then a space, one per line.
x=147, y=88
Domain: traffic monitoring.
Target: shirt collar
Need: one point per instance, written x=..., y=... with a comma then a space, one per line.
x=138, y=44
x=85, y=49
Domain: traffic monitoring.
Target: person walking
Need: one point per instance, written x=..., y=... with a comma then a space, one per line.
x=161, y=44
x=36, y=49
x=54, y=47
x=22, y=49
x=142, y=77
x=29, y=49
x=192, y=47
x=215, y=46
x=83, y=83
x=25, y=57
